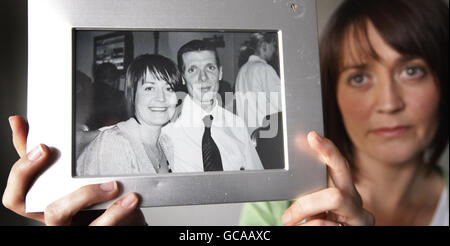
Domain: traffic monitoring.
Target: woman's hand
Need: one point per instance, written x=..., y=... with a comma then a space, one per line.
x=65, y=211
x=338, y=205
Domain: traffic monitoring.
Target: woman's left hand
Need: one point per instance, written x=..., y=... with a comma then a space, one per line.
x=335, y=206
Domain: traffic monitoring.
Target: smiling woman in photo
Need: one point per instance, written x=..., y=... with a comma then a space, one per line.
x=131, y=147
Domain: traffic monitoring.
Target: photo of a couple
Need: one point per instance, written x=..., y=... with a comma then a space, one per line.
x=161, y=117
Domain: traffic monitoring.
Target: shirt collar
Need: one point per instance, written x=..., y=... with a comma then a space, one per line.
x=255, y=58
x=192, y=114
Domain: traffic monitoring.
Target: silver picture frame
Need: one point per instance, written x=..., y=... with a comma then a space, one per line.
x=51, y=25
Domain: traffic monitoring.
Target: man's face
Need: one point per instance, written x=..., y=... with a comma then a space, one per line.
x=201, y=75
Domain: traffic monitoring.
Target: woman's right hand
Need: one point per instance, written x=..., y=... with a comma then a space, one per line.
x=339, y=204
x=67, y=210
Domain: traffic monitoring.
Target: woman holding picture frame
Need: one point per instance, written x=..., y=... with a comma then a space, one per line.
x=381, y=82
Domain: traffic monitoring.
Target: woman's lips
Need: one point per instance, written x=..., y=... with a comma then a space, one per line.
x=391, y=132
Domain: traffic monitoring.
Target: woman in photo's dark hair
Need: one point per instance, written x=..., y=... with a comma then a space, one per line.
x=384, y=67
x=131, y=147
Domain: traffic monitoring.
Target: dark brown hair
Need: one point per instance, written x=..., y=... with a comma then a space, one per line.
x=415, y=28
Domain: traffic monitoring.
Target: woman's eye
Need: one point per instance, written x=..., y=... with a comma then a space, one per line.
x=148, y=88
x=170, y=89
x=358, y=80
x=412, y=72
x=212, y=68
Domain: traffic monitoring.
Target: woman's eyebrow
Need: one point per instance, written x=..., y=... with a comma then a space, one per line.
x=356, y=66
x=408, y=58
x=148, y=82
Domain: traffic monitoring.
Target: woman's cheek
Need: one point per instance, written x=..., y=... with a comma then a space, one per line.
x=423, y=109
x=172, y=99
x=355, y=109
x=424, y=102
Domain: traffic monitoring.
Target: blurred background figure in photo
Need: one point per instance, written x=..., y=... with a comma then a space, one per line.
x=100, y=103
x=257, y=87
x=83, y=95
x=109, y=102
x=268, y=139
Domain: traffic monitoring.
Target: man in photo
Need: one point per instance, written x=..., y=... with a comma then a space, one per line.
x=204, y=136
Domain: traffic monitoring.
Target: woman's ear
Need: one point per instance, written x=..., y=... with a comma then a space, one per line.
x=220, y=73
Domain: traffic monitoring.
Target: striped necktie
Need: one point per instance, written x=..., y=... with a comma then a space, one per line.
x=211, y=154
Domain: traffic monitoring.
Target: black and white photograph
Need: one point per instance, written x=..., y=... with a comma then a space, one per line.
x=158, y=102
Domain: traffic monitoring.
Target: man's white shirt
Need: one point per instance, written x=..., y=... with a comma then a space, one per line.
x=181, y=140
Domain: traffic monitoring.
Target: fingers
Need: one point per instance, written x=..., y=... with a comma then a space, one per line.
x=330, y=199
x=21, y=175
x=19, y=129
x=342, y=207
x=320, y=222
x=338, y=168
x=62, y=211
x=342, y=201
x=122, y=212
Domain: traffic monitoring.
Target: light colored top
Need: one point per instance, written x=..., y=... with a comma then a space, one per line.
x=441, y=215
x=181, y=140
x=117, y=150
x=257, y=92
x=269, y=213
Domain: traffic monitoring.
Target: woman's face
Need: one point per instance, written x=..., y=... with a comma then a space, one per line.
x=389, y=105
x=155, y=101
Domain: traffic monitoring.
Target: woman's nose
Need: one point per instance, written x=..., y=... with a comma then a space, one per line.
x=389, y=97
x=161, y=96
x=202, y=76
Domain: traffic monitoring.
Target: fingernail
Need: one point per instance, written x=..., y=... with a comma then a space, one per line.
x=128, y=201
x=36, y=153
x=318, y=137
x=107, y=187
x=286, y=218
x=11, y=122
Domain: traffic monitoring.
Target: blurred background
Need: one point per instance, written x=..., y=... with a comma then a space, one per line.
x=13, y=98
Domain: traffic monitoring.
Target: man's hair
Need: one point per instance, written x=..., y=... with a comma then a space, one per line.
x=195, y=45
